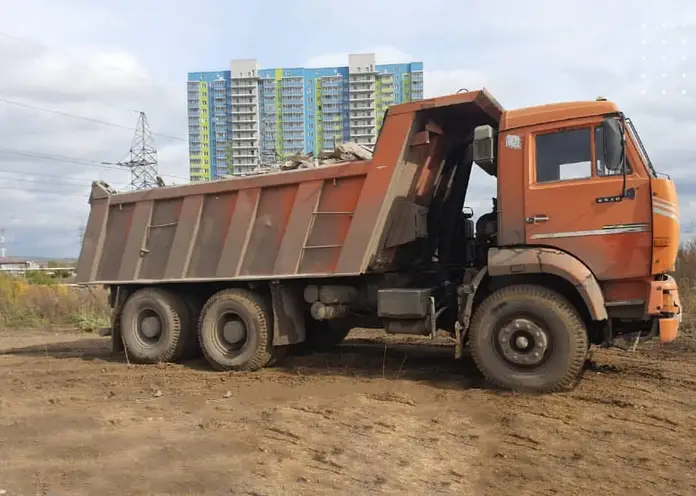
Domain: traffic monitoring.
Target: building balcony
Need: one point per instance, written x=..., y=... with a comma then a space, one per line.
x=244, y=137
x=242, y=116
x=359, y=133
x=238, y=156
x=243, y=111
x=362, y=115
x=237, y=92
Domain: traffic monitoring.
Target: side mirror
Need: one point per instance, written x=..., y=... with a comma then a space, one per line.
x=612, y=133
x=484, y=148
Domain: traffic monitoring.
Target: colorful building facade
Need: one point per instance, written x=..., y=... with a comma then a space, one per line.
x=246, y=116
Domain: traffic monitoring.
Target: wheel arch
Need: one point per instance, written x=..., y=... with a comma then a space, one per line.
x=554, y=268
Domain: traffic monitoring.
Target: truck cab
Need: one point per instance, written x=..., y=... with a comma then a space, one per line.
x=575, y=177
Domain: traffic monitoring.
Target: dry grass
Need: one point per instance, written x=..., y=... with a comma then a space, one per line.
x=24, y=305
x=685, y=274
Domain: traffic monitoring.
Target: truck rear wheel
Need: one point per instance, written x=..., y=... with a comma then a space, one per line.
x=155, y=326
x=528, y=338
x=235, y=331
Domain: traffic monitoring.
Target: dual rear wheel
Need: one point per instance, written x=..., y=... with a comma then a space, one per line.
x=233, y=329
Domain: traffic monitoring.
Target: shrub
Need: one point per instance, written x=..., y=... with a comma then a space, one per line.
x=34, y=302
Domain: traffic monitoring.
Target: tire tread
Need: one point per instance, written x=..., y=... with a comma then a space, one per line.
x=175, y=312
x=566, y=312
x=254, y=304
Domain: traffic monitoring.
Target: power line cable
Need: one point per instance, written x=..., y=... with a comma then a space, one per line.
x=41, y=174
x=45, y=192
x=72, y=160
x=56, y=182
x=81, y=117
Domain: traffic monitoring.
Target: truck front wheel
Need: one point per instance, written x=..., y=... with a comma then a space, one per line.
x=528, y=338
x=235, y=330
x=155, y=326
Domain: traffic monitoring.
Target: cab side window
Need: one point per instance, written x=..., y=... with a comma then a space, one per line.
x=564, y=155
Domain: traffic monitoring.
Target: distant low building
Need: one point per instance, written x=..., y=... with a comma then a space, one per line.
x=18, y=266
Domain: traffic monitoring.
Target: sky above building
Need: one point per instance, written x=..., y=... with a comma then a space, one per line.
x=104, y=60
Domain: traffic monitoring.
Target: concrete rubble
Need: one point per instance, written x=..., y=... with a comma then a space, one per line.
x=343, y=152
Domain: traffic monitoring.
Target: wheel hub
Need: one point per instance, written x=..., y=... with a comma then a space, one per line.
x=234, y=332
x=523, y=342
x=151, y=327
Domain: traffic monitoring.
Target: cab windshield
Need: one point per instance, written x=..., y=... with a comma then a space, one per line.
x=641, y=149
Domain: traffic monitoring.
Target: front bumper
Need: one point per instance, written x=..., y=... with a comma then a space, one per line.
x=665, y=306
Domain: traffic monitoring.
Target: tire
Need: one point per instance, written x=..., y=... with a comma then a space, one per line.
x=250, y=324
x=192, y=349
x=323, y=335
x=155, y=326
x=525, y=311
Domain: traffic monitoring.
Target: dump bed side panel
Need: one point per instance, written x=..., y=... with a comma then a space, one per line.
x=272, y=230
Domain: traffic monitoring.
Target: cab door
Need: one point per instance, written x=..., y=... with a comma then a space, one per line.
x=571, y=202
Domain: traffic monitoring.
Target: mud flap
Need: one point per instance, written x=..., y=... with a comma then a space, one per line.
x=288, y=315
x=117, y=298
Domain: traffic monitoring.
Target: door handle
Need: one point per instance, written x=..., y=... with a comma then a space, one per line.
x=536, y=219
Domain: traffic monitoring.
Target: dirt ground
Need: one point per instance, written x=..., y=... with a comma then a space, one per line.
x=375, y=416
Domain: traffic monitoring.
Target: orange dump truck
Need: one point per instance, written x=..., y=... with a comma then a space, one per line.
x=575, y=251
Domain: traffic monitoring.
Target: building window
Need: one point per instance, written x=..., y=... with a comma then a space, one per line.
x=564, y=155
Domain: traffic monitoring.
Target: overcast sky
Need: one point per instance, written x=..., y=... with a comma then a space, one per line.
x=104, y=59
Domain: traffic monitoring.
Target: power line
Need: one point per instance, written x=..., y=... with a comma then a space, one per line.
x=45, y=192
x=40, y=181
x=57, y=158
x=55, y=182
x=41, y=174
x=81, y=117
x=70, y=160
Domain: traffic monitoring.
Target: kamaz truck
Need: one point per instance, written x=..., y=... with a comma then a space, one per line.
x=576, y=249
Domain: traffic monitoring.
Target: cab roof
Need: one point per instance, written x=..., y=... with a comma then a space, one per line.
x=554, y=112
x=482, y=101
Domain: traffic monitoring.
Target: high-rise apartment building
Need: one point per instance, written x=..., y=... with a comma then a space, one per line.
x=246, y=116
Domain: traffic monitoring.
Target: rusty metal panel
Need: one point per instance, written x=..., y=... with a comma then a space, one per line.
x=184, y=237
x=538, y=260
x=93, y=241
x=117, y=228
x=238, y=233
x=269, y=227
x=212, y=232
x=135, y=242
x=160, y=238
x=376, y=196
x=331, y=223
x=299, y=224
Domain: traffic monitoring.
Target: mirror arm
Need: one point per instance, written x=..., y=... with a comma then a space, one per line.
x=623, y=155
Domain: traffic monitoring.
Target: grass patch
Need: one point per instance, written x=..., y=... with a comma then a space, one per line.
x=26, y=303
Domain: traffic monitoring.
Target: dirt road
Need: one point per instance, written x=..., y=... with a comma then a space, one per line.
x=360, y=420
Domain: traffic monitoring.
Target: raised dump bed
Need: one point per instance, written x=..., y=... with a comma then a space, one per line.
x=336, y=220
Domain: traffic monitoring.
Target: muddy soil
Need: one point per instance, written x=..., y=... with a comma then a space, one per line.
x=377, y=415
